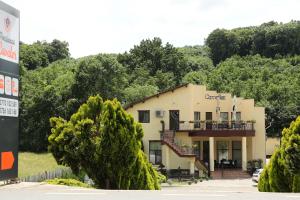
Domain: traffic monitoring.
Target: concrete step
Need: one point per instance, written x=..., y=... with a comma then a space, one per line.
x=230, y=174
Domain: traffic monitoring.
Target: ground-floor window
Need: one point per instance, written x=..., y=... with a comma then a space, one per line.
x=155, y=152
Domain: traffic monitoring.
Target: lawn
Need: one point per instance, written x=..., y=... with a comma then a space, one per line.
x=34, y=163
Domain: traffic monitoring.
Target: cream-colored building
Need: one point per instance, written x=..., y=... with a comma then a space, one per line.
x=191, y=127
x=272, y=143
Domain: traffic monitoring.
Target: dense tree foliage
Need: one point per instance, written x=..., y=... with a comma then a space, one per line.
x=269, y=39
x=40, y=54
x=283, y=172
x=58, y=88
x=153, y=56
x=100, y=74
x=44, y=93
x=105, y=142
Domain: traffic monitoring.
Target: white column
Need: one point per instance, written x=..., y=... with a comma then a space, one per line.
x=211, y=154
x=244, y=153
x=192, y=166
x=165, y=156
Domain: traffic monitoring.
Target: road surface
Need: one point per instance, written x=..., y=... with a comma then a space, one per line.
x=208, y=190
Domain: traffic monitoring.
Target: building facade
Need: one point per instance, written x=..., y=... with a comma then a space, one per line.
x=191, y=127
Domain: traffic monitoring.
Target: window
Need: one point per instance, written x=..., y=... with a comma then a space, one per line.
x=236, y=124
x=208, y=117
x=196, y=119
x=155, y=152
x=238, y=116
x=224, y=116
x=224, y=120
x=144, y=116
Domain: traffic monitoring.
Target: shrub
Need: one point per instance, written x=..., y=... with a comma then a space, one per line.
x=263, y=183
x=104, y=141
x=296, y=184
x=282, y=173
x=68, y=182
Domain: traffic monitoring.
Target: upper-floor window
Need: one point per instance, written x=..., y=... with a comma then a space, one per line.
x=224, y=116
x=238, y=116
x=196, y=119
x=144, y=116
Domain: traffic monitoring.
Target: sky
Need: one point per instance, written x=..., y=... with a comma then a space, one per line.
x=114, y=26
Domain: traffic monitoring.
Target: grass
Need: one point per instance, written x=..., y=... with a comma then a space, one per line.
x=34, y=163
x=68, y=182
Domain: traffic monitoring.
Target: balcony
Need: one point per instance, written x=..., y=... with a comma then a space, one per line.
x=217, y=129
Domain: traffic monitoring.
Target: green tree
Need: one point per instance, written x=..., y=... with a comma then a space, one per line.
x=33, y=56
x=223, y=44
x=138, y=92
x=282, y=174
x=104, y=141
x=45, y=93
x=57, y=50
x=270, y=39
x=101, y=74
x=198, y=78
x=154, y=56
x=41, y=53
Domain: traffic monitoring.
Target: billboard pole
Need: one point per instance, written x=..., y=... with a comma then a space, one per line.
x=9, y=91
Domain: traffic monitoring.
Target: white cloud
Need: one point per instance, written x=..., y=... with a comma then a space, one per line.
x=94, y=26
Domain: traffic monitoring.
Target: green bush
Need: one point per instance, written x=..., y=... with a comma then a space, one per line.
x=162, y=178
x=282, y=173
x=104, y=141
x=263, y=183
x=279, y=177
x=296, y=184
x=68, y=182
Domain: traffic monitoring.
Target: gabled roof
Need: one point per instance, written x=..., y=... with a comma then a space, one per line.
x=155, y=95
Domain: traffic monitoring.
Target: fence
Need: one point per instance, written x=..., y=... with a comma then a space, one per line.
x=58, y=173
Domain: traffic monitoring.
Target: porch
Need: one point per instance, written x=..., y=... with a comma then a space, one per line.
x=214, y=152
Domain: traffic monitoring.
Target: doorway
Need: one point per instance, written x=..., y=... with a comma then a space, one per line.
x=206, y=152
x=237, y=152
x=174, y=119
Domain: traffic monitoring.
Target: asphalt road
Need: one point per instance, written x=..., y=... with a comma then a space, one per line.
x=210, y=190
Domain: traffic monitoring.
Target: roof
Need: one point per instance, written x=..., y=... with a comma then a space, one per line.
x=155, y=95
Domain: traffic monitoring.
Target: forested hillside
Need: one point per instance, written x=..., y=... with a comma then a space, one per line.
x=254, y=62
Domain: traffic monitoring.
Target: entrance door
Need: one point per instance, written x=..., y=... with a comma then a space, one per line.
x=206, y=152
x=174, y=119
x=237, y=152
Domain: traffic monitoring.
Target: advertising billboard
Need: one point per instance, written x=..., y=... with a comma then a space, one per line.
x=9, y=91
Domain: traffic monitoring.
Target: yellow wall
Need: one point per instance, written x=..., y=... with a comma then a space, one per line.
x=191, y=98
x=271, y=144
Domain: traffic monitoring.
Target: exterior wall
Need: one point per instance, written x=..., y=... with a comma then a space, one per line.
x=259, y=141
x=271, y=144
x=176, y=100
x=187, y=100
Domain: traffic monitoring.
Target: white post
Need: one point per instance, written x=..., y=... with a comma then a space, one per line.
x=244, y=153
x=192, y=167
x=211, y=154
